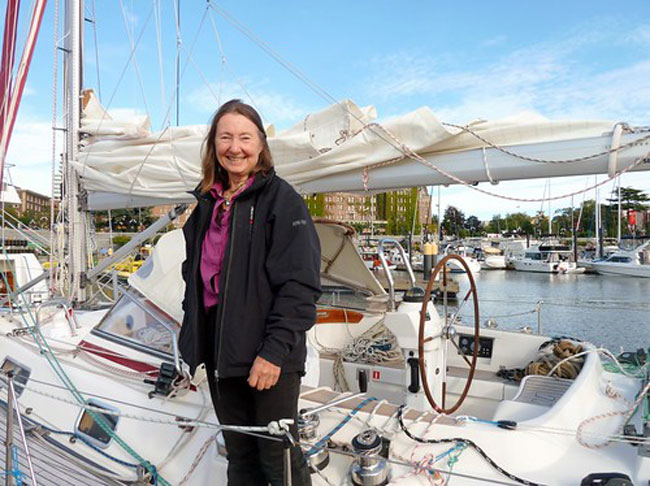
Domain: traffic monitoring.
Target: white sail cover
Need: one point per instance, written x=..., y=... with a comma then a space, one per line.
x=124, y=164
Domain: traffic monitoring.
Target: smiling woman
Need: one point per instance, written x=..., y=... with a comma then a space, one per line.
x=252, y=281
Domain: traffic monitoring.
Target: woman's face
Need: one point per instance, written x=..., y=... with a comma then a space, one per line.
x=239, y=145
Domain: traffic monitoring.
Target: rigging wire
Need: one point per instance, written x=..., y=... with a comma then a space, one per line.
x=161, y=65
x=119, y=81
x=402, y=148
x=135, y=60
x=94, y=22
x=226, y=66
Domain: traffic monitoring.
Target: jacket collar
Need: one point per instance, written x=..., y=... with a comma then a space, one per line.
x=260, y=181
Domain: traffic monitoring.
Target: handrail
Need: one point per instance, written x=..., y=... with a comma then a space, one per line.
x=69, y=315
x=389, y=276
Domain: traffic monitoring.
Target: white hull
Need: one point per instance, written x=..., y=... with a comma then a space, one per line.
x=456, y=267
x=109, y=368
x=494, y=262
x=623, y=269
x=524, y=265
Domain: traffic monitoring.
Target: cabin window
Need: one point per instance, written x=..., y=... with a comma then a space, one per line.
x=620, y=259
x=21, y=374
x=89, y=428
x=135, y=320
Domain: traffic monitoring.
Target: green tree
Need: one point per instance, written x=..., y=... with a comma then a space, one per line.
x=453, y=221
x=630, y=199
x=473, y=225
x=133, y=219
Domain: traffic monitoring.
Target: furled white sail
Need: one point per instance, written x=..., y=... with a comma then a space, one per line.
x=343, y=148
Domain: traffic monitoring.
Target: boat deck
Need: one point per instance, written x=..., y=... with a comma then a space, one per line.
x=52, y=466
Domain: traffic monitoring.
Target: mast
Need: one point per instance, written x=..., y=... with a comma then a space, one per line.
x=619, y=210
x=550, y=215
x=74, y=201
x=597, y=219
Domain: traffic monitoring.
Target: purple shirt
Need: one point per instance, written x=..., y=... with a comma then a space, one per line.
x=214, y=245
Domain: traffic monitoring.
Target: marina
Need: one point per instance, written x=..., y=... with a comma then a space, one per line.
x=461, y=374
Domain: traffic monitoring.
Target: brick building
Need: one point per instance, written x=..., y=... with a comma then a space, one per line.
x=158, y=211
x=33, y=202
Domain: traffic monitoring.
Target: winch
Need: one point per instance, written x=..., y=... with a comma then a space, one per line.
x=308, y=424
x=370, y=469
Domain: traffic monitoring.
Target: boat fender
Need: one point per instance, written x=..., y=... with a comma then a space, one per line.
x=607, y=479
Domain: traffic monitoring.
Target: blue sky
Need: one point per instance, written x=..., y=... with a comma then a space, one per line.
x=466, y=60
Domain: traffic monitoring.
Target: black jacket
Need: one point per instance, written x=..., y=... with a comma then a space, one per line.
x=268, y=287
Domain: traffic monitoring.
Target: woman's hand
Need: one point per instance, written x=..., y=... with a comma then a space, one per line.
x=263, y=374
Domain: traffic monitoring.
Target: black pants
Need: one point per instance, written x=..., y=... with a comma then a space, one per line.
x=254, y=461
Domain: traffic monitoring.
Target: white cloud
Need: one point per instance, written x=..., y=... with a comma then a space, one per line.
x=29, y=158
x=551, y=77
x=495, y=41
x=484, y=206
x=274, y=107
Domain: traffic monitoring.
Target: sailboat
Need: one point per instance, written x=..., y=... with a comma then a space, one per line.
x=104, y=397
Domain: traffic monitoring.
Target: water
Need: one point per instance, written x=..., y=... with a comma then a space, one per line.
x=610, y=311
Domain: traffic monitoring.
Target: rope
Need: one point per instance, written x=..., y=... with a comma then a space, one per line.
x=401, y=147
x=626, y=414
x=65, y=379
x=376, y=345
x=611, y=150
x=319, y=445
x=199, y=457
x=469, y=443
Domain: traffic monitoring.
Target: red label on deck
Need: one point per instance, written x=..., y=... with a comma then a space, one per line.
x=376, y=375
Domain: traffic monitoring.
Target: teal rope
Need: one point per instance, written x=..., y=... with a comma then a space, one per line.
x=15, y=472
x=46, y=351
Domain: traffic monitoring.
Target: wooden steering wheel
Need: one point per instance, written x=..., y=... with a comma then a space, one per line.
x=447, y=334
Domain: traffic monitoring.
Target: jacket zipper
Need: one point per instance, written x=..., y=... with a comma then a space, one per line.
x=233, y=226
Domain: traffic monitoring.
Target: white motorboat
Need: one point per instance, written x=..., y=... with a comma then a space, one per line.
x=466, y=253
x=546, y=258
x=493, y=259
x=630, y=263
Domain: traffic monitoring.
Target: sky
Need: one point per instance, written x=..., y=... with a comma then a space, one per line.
x=585, y=59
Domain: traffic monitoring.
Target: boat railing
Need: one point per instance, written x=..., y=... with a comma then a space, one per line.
x=65, y=305
x=389, y=276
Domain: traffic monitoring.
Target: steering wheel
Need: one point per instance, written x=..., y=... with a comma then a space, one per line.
x=448, y=333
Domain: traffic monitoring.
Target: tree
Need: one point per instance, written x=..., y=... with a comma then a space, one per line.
x=453, y=221
x=630, y=199
x=473, y=225
x=135, y=219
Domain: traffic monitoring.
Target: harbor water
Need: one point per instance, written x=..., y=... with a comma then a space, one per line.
x=608, y=311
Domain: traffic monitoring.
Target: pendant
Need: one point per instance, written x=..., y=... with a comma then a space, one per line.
x=227, y=202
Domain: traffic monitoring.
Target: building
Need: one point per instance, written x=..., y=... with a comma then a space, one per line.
x=159, y=211
x=392, y=210
x=32, y=202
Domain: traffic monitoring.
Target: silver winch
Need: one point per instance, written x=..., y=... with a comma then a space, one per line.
x=319, y=458
x=370, y=469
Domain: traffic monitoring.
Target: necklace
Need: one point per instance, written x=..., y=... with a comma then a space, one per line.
x=229, y=193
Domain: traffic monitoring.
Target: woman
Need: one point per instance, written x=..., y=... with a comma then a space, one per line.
x=252, y=280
